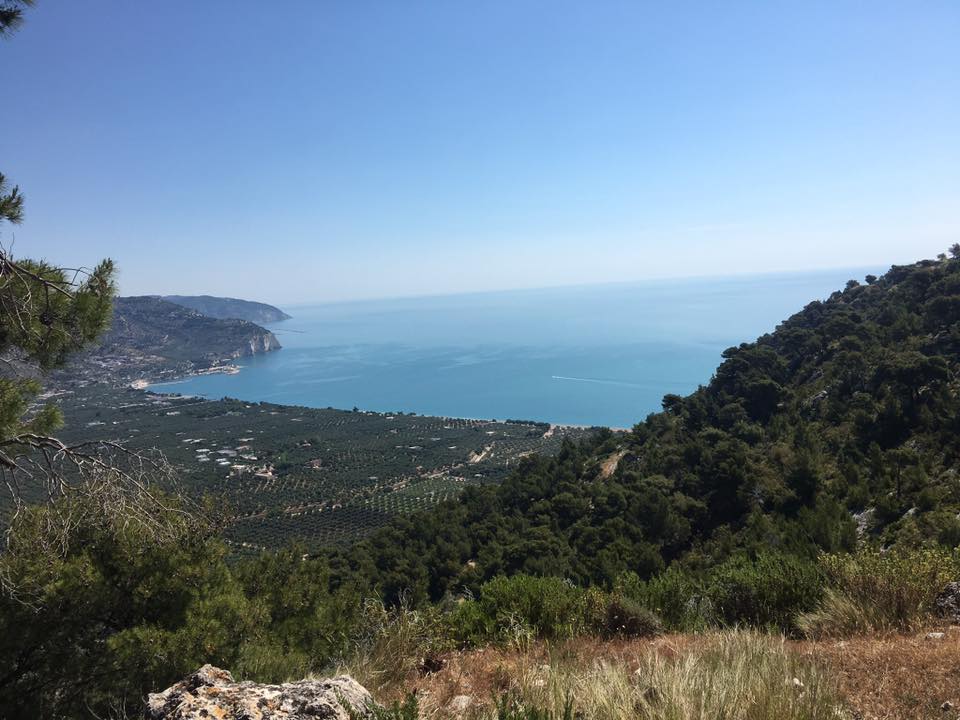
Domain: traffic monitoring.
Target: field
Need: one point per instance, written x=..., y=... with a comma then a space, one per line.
x=324, y=476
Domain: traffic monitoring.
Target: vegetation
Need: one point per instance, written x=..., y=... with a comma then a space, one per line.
x=879, y=591
x=742, y=676
x=321, y=476
x=809, y=489
x=726, y=510
x=229, y=308
x=839, y=427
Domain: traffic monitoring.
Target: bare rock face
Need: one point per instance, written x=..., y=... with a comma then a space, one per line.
x=212, y=693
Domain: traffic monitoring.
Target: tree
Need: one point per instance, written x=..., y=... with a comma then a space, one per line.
x=955, y=250
x=11, y=15
x=46, y=313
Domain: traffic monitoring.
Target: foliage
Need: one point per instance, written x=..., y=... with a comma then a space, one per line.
x=520, y=608
x=851, y=405
x=766, y=593
x=624, y=617
x=11, y=16
x=112, y=612
x=388, y=645
x=879, y=591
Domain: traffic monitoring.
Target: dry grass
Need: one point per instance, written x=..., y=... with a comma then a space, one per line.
x=734, y=675
x=907, y=677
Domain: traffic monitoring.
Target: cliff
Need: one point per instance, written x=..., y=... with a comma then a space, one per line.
x=155, y=339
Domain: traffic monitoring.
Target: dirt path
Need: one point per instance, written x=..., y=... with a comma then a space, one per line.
x=609, y=466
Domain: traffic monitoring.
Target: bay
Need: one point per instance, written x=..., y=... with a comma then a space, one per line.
x=584, y=355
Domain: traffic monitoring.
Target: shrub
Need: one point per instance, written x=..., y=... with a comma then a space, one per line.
x=877, y=591
x=520, y=608
x=628, y=618
x=676, y=596
x=393, y=644
x=768, y=592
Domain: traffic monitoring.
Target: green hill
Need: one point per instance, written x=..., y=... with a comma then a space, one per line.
x=229, y=308
x=843, y=422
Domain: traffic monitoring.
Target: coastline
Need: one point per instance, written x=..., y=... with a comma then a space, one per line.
x=153, y=387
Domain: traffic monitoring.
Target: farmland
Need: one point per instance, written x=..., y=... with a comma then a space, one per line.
x=324, y=476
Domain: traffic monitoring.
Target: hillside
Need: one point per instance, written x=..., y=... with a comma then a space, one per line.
x=229, y=308
x=807, y=492
x=154, y=339
x=843, y=423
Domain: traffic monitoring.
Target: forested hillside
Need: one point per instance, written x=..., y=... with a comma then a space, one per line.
x=843, y=421
x=229, y=308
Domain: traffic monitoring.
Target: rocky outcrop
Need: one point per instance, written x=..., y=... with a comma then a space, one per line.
x=212, y=693
x=948, y=602
x=151, y=326
x=150, y=338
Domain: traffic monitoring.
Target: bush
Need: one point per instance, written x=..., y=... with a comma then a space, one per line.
x=676, y=596
x=766, y=593
x=520, y=608
x=877, y=591
x=628, y=618
x=393, y=644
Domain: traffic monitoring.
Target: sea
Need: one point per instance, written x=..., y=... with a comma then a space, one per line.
x=584, y=355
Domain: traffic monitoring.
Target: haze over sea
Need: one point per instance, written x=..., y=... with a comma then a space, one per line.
x=586, y=355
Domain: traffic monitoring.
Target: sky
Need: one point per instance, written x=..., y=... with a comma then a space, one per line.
x=305, y=151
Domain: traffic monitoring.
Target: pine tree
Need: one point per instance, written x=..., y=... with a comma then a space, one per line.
x=11, y=15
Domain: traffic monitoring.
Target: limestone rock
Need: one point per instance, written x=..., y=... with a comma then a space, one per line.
x=948, y=602
x=212, y=693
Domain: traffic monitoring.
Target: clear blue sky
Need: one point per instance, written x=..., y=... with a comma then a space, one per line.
x=295, y=151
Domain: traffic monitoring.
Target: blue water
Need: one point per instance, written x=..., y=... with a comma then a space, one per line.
x=589, y=355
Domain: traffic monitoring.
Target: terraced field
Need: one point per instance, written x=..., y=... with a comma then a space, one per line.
x=321, y=475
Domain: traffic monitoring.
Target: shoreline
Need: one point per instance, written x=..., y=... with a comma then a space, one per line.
x=144, y=385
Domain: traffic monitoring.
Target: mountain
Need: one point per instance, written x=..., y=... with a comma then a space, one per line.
x=840, y=427
x=229, y=308
x=150, y=338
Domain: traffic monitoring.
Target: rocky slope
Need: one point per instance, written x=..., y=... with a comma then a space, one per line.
x=229, y=308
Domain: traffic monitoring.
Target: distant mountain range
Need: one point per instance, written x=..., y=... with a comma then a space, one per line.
x=229, y=308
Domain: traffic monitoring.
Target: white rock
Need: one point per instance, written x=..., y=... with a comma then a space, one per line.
x=212, y=693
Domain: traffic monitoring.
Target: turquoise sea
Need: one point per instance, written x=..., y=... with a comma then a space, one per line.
x=586, y=355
